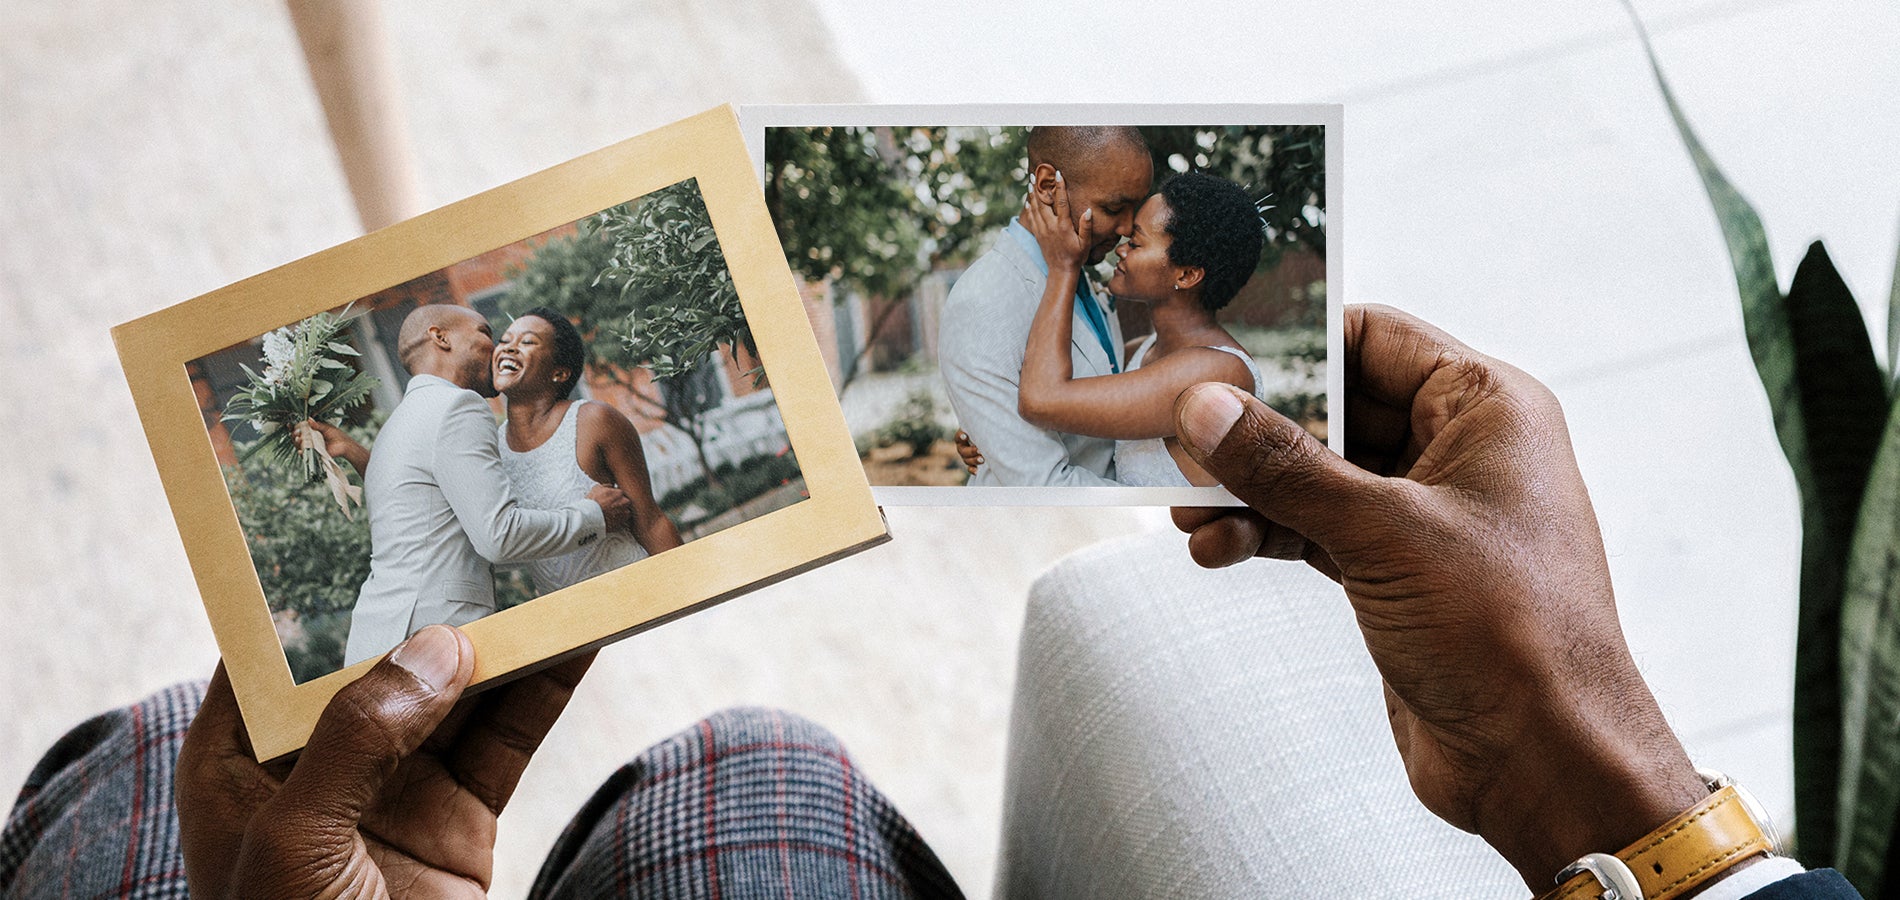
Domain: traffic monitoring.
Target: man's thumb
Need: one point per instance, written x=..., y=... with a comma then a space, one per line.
x=373, y=723
x=1271, y=463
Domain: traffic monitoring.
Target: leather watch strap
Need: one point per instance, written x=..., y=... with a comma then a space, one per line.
x=1684, y=853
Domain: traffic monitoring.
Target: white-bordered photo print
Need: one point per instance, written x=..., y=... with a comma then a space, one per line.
x=1009, y=298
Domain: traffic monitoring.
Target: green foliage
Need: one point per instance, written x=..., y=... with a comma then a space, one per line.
x=648, y=286
x=875, y=208
x=1300, y=406
x=513, y=587
x=915, y=425
x=736, y=484
x=666, y=261
x=307, y=375
x=310, y=559
x=1283, y=164
x=1893, y=326
x=1829, y=400
x=564, y=275
x=1869, y=788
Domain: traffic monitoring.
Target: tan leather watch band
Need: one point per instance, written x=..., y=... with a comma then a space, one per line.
x=1685, y=852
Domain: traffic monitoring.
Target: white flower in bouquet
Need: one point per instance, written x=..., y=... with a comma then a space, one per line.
x=280, y=351
x=306, y=376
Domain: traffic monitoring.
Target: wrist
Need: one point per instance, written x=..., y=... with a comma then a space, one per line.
x=1586, y=790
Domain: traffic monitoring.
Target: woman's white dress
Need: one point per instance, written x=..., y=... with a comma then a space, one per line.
x=1147, y=463
x=550, y=477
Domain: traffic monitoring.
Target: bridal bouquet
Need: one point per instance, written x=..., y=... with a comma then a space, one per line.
x=306, y=376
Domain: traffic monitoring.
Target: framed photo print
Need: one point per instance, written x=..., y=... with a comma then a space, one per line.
x=1046, y=280
x=553, y=414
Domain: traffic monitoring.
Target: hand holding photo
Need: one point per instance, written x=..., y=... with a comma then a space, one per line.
x=553, y=414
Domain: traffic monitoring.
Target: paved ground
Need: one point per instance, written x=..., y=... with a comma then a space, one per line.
x=1511, y=175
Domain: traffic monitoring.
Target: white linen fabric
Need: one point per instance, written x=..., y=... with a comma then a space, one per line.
x=549, y=477
x=1147, y=463
x=1179, y=732
x=1752, y=879
x=984, y=328
x=440, y=512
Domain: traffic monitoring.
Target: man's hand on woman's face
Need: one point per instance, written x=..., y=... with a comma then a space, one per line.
x=1459, y=525
x=396, y=795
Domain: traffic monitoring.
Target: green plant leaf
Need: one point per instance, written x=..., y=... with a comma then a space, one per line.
x=1844, y=403
x=1815, y=361
x=1870, y=632
x=1893, y=326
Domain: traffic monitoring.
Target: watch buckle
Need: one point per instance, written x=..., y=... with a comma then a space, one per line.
x=1612, y=874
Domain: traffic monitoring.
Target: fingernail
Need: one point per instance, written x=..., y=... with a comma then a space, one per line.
x=1058, y=174
x=432, y=655
x=1208, y=413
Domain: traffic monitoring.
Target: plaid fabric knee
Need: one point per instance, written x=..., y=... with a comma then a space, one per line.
x=748, y=803
x=95, y=818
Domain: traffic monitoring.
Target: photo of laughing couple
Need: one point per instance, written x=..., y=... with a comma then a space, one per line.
x=1042, y=295
x=569, y=405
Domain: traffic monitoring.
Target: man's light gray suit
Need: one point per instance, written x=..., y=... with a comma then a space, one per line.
x=985, y=325
x=440, y=512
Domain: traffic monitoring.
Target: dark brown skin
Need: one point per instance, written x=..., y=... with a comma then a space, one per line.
x=462, y=350
x=1131, y=405
x=396, y=795
x=606, y=445
x=1465, y=540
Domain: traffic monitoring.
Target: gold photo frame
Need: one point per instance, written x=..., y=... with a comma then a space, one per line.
x=837, y=518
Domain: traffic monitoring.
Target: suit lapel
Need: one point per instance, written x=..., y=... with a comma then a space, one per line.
x=1090, y=358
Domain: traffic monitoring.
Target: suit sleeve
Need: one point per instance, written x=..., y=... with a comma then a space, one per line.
x=981, y=356
x=1819, y=884
x=468, y=470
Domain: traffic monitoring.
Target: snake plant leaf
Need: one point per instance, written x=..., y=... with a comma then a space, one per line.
x=1843, y=401
x=1817, y=380
x=1870, y=792
x=1893, y=326
x=1842, y=391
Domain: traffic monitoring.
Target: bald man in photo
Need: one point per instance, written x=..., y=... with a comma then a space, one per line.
x=987, y=315
x=441, y=512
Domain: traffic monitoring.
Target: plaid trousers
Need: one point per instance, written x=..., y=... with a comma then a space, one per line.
x=746, y=803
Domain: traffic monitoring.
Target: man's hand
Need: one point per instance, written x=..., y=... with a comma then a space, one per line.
x=1467, y=546
x=396, y=795
x=614, y=505
x=336, y=442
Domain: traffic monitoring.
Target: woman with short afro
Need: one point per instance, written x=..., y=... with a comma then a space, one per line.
x=1195, y=244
